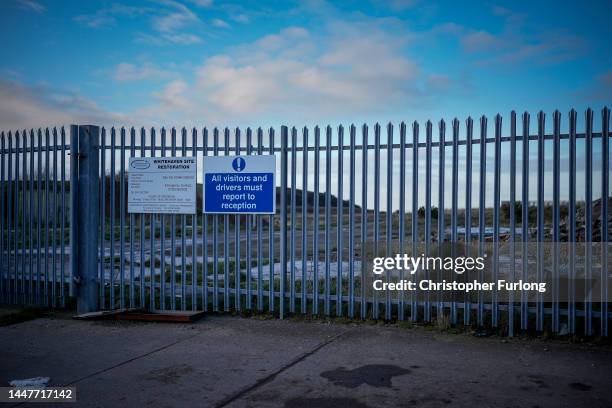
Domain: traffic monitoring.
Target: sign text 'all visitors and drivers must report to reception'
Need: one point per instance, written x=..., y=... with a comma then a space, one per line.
x=164, y=185
x=239, y=184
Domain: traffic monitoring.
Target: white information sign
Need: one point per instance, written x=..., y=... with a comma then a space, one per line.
x=162, y=185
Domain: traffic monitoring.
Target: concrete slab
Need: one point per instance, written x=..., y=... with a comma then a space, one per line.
x=237, y=362
x=378, y=367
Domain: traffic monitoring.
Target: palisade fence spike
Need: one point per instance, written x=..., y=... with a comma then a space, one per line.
x=328, y=138
x=226, y=245
x=604, y=220
x=482, y=205
x=467, y=308
x=9, y=218
x=2, y=195
x=441, y=170
x=237, y=276
x=364, y=220
x=588, y=218
x=525, y=215
x=496, y=214
x=402, y=212
x=376, y=305
x=293, y=193
x=304, y=294
x=414, y=208
x=556, y=217
x=428, y=205
x=340, y=227
x=351, y=249
x=271, y=253
x=389, y=211
x=283, y=232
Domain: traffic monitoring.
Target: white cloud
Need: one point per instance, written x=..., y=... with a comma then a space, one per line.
x=298, y=75
x=167, y=38
x=170, y=25
x=517, y=40
x=479, y=41
x=398, y=5
x=25, y=107
x=439, y=81
x=598, y=89
x=202, y=3
x=107, y=17
x=169, y=21
x=172, y=95
x=241, y=18
x=131, y=72
x=31, y=5
x=217, y=22
x=95, y=20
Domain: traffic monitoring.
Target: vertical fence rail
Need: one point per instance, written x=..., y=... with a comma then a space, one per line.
x=271, y=253
x=375, y=306
x=402, y=211
x=428, y=186
x=441, y=207
x=10, y=218
x=414, y=313
x=237, y=291
x=304, y=252
x=340, y=225
x=16, y=213
x=482, y=205
x=152, y=232
x=605, y=180
x=31, y=217
x=467, y=308
x=132, y=226
x=351, y=247
x=540, y=218
x=512, y=206
x=315, y=222
x=556, y=221
x=571, y=313
x=455, y=205
x=364, y=221
x=141, y=275
x=525, y=216
x=496, y=213
x=588, y=220
x=328, y=135
x=173, y=237
x=283, y=231
x=3, y=289
x=389, y=211
x=249, y=227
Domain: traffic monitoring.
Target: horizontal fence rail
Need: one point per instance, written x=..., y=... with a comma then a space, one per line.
x=344, y=196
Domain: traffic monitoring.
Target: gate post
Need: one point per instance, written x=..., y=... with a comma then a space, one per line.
x=86, y=201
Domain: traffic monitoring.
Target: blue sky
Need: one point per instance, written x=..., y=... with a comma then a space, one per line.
x=215, y=62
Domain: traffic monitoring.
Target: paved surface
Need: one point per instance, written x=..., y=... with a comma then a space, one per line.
x=225, y=361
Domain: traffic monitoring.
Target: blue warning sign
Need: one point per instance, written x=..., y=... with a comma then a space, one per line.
x=239, y=185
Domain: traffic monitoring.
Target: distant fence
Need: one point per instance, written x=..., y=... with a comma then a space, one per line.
x=344, y=195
